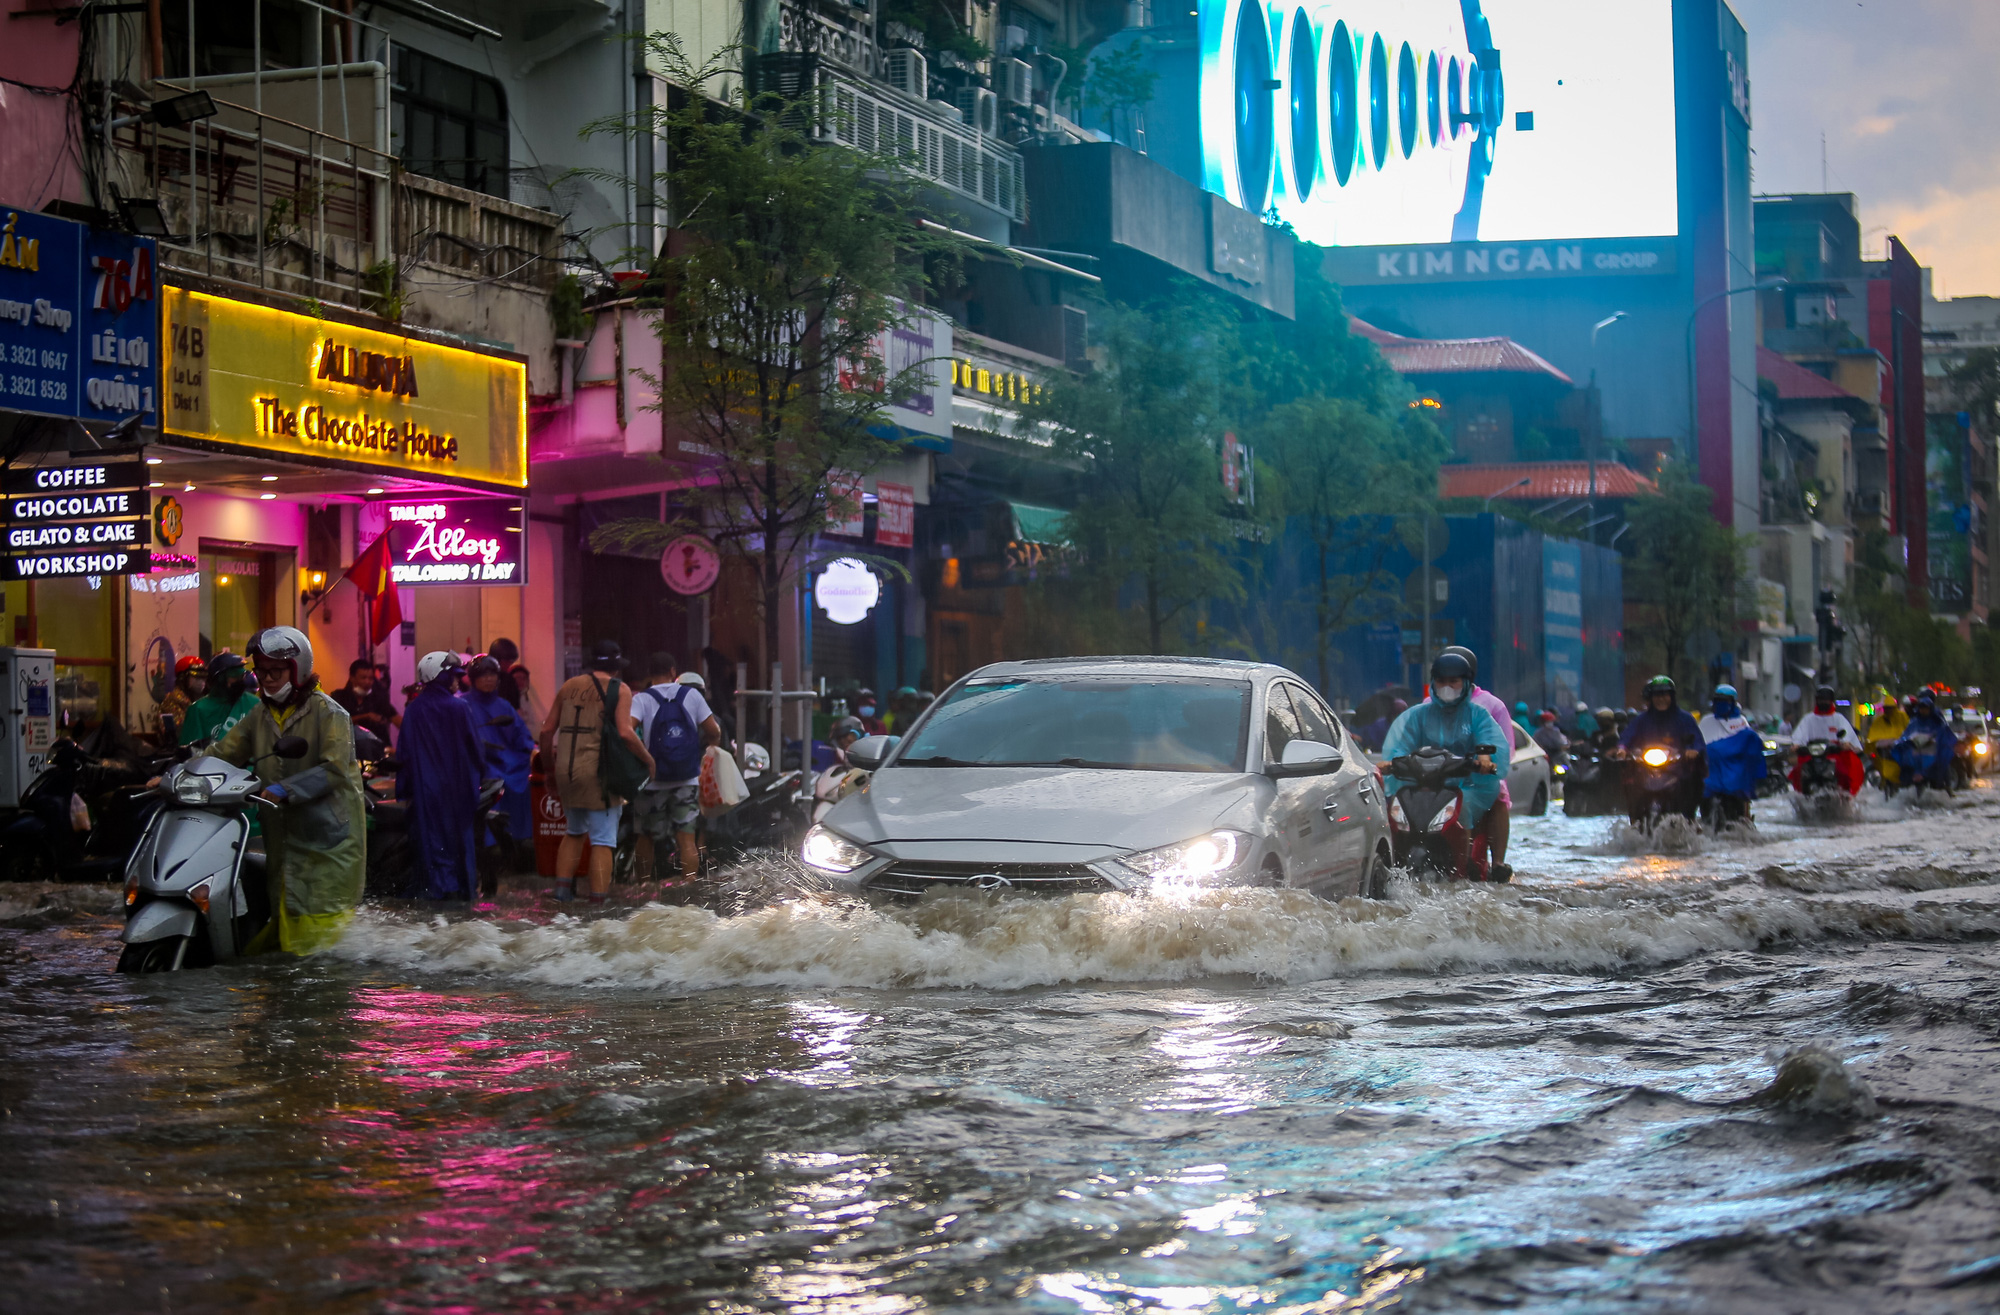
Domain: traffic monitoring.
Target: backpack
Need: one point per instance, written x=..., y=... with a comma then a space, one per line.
x=618, y=768
x=673, y=739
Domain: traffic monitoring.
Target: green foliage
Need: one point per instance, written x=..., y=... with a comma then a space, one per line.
x=1684, y=570
x=1143, y=431
x=1120, y=80
x=1977, y=379
x=791, y=262
x=1893, y=643
x=939, y=25
x=386, y=295
x=566, y=313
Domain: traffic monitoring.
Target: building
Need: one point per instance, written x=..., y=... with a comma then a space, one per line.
x=1964, y=540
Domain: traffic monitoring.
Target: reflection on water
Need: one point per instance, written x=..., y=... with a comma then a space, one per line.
x=1756, y=1075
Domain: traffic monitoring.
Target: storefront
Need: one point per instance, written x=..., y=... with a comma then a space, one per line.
x=289, y=443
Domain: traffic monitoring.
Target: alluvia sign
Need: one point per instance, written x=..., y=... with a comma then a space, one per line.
x=461, y=541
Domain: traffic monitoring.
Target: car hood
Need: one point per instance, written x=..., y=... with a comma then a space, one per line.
x=1111, y=810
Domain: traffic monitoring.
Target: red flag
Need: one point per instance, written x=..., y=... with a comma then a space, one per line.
x=370, y=574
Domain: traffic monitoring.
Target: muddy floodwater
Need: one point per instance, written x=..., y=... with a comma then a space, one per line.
x=1756, y=1075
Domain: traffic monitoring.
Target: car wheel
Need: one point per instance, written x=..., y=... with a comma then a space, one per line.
x=1375, y=881
x=1540, y=806
x=1272, y=874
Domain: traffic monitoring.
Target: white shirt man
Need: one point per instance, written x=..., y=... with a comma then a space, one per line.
x=670, y=809
x=1832, y=726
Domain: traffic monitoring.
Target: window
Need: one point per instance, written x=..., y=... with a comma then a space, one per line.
x=1314, y=720
x=448, y=122
x=1281, y=723
x=1149, y=724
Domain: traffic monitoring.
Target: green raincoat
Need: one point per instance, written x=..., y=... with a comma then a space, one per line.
x=209, y=718
x=316, y=841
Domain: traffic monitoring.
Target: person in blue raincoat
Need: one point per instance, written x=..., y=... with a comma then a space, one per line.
x=441, y=765
x=1935, y=765
x=508, y=743
x=1450, y=720
x=1735, y=752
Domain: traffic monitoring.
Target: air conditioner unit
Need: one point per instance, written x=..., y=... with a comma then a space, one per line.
x=906, y=71
x=1014, y=81
x=981, y=109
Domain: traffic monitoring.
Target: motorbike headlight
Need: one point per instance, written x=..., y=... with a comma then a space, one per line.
x=1980, y=747
x=1561, y=769
x=193, y=788
x=829, y=851
x=1191, y=860
x=1444, y=817
x=1656, y=757
x=1770, y=746
x=1397, y=817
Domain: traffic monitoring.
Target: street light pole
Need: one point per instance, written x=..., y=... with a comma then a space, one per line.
x=1597, y=402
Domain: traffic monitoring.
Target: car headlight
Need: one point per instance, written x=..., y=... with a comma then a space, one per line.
x=193, y=788
x=829, y=851
x=1191, y=860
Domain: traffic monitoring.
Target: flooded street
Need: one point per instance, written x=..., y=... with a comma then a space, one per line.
x=1758, y=1076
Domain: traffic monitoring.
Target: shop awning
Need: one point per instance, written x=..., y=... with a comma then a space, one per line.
x=1043, y=525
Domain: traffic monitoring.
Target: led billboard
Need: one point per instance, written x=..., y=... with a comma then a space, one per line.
x=1390, y=122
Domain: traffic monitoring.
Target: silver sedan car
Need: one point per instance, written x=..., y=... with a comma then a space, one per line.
x=1112, y=773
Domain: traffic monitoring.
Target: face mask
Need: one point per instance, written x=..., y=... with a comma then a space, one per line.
x=280, y=694
x=1822, y=708
x=1723, y=708
x=867, y=709
x=1446, y=695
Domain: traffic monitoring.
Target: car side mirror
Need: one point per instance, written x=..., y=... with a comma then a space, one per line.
x=871, y=752
x=291, y=746
x=1306, y=758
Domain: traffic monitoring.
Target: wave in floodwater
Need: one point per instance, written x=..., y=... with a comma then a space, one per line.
x=1278, y=935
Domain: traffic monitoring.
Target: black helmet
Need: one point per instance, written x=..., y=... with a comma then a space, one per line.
x=1452, y=664
x=1471, y=659
x=1659, y=685
x=483, y=665
x=1824, y=694
x=223, y=665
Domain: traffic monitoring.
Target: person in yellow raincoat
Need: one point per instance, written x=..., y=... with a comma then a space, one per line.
x=315, y=840
x=1884, y=729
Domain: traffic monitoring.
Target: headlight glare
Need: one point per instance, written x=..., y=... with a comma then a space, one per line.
x=829, y=851
x=1656, y=757
x=1191, y=860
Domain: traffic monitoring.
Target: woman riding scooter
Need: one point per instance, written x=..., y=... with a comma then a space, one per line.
x=1826, y=722
x=1450, y=721
x=1735, y=758
x=1926, y=748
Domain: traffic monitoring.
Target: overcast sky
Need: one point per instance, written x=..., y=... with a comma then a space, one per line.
x=1908, y=94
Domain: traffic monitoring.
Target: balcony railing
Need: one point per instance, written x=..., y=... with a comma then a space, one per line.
x=805, y=29
x=932, y=141
x=259, y=200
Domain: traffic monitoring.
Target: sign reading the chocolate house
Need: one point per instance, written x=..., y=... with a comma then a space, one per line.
x=250, y=376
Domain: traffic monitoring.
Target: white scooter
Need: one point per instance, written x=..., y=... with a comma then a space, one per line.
x=194, y=894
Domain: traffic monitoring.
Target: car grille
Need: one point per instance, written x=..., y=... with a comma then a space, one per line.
x=915, y=877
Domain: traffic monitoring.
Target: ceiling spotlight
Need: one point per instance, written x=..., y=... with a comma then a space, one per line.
x=156, y=484
x=189, y=488
x=375, y=490
x=267, y=496
x=155, y=461
x=268, y=479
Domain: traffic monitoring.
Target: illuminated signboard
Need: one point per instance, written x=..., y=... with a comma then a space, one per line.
x=475, y=541
x=79, y=320
x=77, y=518
x=1389, y=122
x=252, y=377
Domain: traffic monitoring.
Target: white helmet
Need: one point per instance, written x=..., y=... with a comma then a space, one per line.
x=691, y=678
x=284, y=644
x=756, y=758
x=432, y=665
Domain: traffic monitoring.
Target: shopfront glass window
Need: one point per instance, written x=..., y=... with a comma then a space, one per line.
x=238, y=597
x=74, y=617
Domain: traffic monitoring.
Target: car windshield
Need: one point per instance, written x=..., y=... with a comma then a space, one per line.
x=1157, y=723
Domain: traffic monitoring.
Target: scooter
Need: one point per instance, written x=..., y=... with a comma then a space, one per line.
x=1589, y=783
x=46, y=840
x=1917, y=754
x=1656, y=786
x=1426, y=834
x=194, y=893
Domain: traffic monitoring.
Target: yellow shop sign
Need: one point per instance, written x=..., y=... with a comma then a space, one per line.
x=252, y=377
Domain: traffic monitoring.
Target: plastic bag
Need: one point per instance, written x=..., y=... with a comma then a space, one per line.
x=79, y=813
x=722, y=785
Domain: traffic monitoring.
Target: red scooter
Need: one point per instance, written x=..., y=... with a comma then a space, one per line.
x=1426, y=832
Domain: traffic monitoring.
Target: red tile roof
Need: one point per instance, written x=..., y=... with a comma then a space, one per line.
x=1795, y=382
x=1544, y=479
x=1454, y=355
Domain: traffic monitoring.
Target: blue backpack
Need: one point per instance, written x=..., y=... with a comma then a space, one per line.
x=673, y=739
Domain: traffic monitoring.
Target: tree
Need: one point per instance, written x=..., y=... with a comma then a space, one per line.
x=1345, y=472
x=784, y=274
x=1684, y=571
x=1145, y=427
